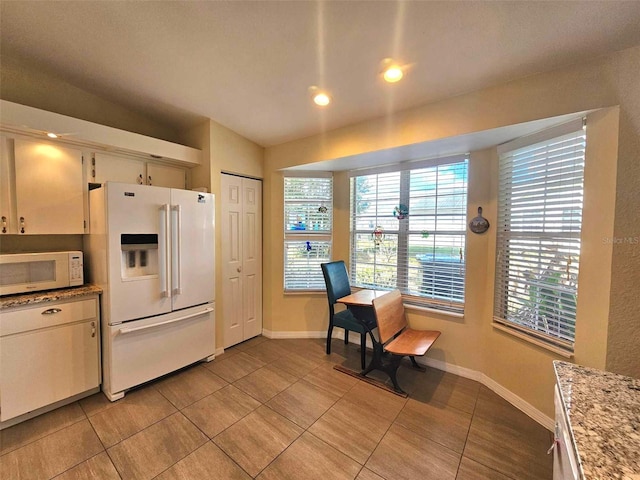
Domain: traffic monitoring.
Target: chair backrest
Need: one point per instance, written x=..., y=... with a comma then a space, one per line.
x=390, y=315
x=336, y=279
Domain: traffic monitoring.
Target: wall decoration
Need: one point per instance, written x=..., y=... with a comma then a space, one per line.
x=378, y=235
x=479, y=224
x=401, y=211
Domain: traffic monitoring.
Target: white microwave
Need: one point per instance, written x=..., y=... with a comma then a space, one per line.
x=31, y=272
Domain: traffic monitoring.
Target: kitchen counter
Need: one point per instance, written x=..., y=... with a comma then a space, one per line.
x=10, y=301
x=603, y=409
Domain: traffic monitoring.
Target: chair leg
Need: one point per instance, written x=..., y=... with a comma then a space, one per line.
x=346, y=336
x=329, y=339
x=363, y=348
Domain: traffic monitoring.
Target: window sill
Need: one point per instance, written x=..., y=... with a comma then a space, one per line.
x=528, y=338
x=444, y=313
x=305, y=292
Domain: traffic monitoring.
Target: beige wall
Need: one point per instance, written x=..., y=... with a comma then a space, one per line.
x=223, y=150
x=522, y=368
x=26, y=85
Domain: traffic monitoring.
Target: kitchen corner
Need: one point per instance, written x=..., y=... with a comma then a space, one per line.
x=603, y=413
x=49, y=350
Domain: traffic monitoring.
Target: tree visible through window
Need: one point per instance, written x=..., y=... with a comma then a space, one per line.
x=408, y=229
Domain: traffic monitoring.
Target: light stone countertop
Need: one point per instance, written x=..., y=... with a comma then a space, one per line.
x=9, y=301
x=603, y=409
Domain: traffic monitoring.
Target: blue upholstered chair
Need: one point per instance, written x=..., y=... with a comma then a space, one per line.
x=337, y=281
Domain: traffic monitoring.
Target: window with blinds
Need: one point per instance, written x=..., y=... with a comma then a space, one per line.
x=308, y=219
x=408, y=231
x=538, y=235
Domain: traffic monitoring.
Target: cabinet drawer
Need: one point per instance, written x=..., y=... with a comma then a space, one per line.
x=47, y=315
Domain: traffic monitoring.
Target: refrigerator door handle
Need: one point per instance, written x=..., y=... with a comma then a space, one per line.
x=176, y=235
x=163, y=254
x=126, y=330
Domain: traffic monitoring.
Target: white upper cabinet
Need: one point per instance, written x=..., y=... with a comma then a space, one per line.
x=42, y=188
x=115, y=168
x=166, y=176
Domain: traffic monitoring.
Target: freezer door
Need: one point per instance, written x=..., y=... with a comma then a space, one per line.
x=192, y=248
x=138, y=218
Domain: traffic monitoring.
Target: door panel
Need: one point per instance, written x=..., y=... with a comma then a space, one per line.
x=252, y=257
x=135, y=210
x=49, y=188
x=231, y=259
x=193, y=261
x=165, y=176
x=118, y=169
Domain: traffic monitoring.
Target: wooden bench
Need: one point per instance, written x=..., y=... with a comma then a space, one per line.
x=396, y=338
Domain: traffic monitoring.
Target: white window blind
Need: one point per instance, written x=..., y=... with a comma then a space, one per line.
x=308, y=219
x=408, y=231
x=538, y=237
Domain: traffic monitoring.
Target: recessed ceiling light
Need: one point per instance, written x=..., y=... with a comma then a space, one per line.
x=52, y=135
x=393, y=74
x=321, y=99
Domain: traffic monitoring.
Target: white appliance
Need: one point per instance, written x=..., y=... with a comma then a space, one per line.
x=31, y=272
x=151, y=249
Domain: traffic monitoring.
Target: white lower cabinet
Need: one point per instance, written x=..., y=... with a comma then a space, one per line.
x=48, y=352
x=565, y=460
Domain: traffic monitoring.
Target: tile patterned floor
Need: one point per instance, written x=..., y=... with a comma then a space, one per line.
x=276, y=409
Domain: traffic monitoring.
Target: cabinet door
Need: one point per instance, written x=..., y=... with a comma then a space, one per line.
x=165, y=176
x=49, y=189
x=45, y=366
x=118, y=169
x=6, y=196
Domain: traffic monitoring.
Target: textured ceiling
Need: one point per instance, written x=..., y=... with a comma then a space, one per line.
x=248, y=65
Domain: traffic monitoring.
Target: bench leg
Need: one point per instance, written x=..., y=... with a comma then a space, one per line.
x=392, y=368
x=363, y=350
x=415, y=365
x=346, y=336
x=389, y=368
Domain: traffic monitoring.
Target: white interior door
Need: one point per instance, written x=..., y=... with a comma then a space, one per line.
x=252, y=257
x=192, y=248
x=231, y=237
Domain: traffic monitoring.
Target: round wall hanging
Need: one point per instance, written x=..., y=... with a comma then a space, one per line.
x=479, y=224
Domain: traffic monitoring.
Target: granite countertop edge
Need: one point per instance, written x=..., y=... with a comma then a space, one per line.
x=604, y=423
x=22, y=299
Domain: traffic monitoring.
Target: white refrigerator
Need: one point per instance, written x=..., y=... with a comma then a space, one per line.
x=151, y=249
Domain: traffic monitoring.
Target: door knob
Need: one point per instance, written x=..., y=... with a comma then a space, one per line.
x=21, y=224
x=4, y=224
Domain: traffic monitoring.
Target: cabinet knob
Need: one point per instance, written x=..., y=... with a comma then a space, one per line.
x=21, y=224
x=52, y=311
x=140, y=179
x=149, y=182
x=4, y=224
x=93, y=329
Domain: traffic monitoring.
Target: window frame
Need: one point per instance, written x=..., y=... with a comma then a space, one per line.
x=564, y=237
x=294, y=237
x=404, y=234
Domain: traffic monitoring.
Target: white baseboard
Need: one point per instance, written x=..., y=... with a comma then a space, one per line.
x=512, y=398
